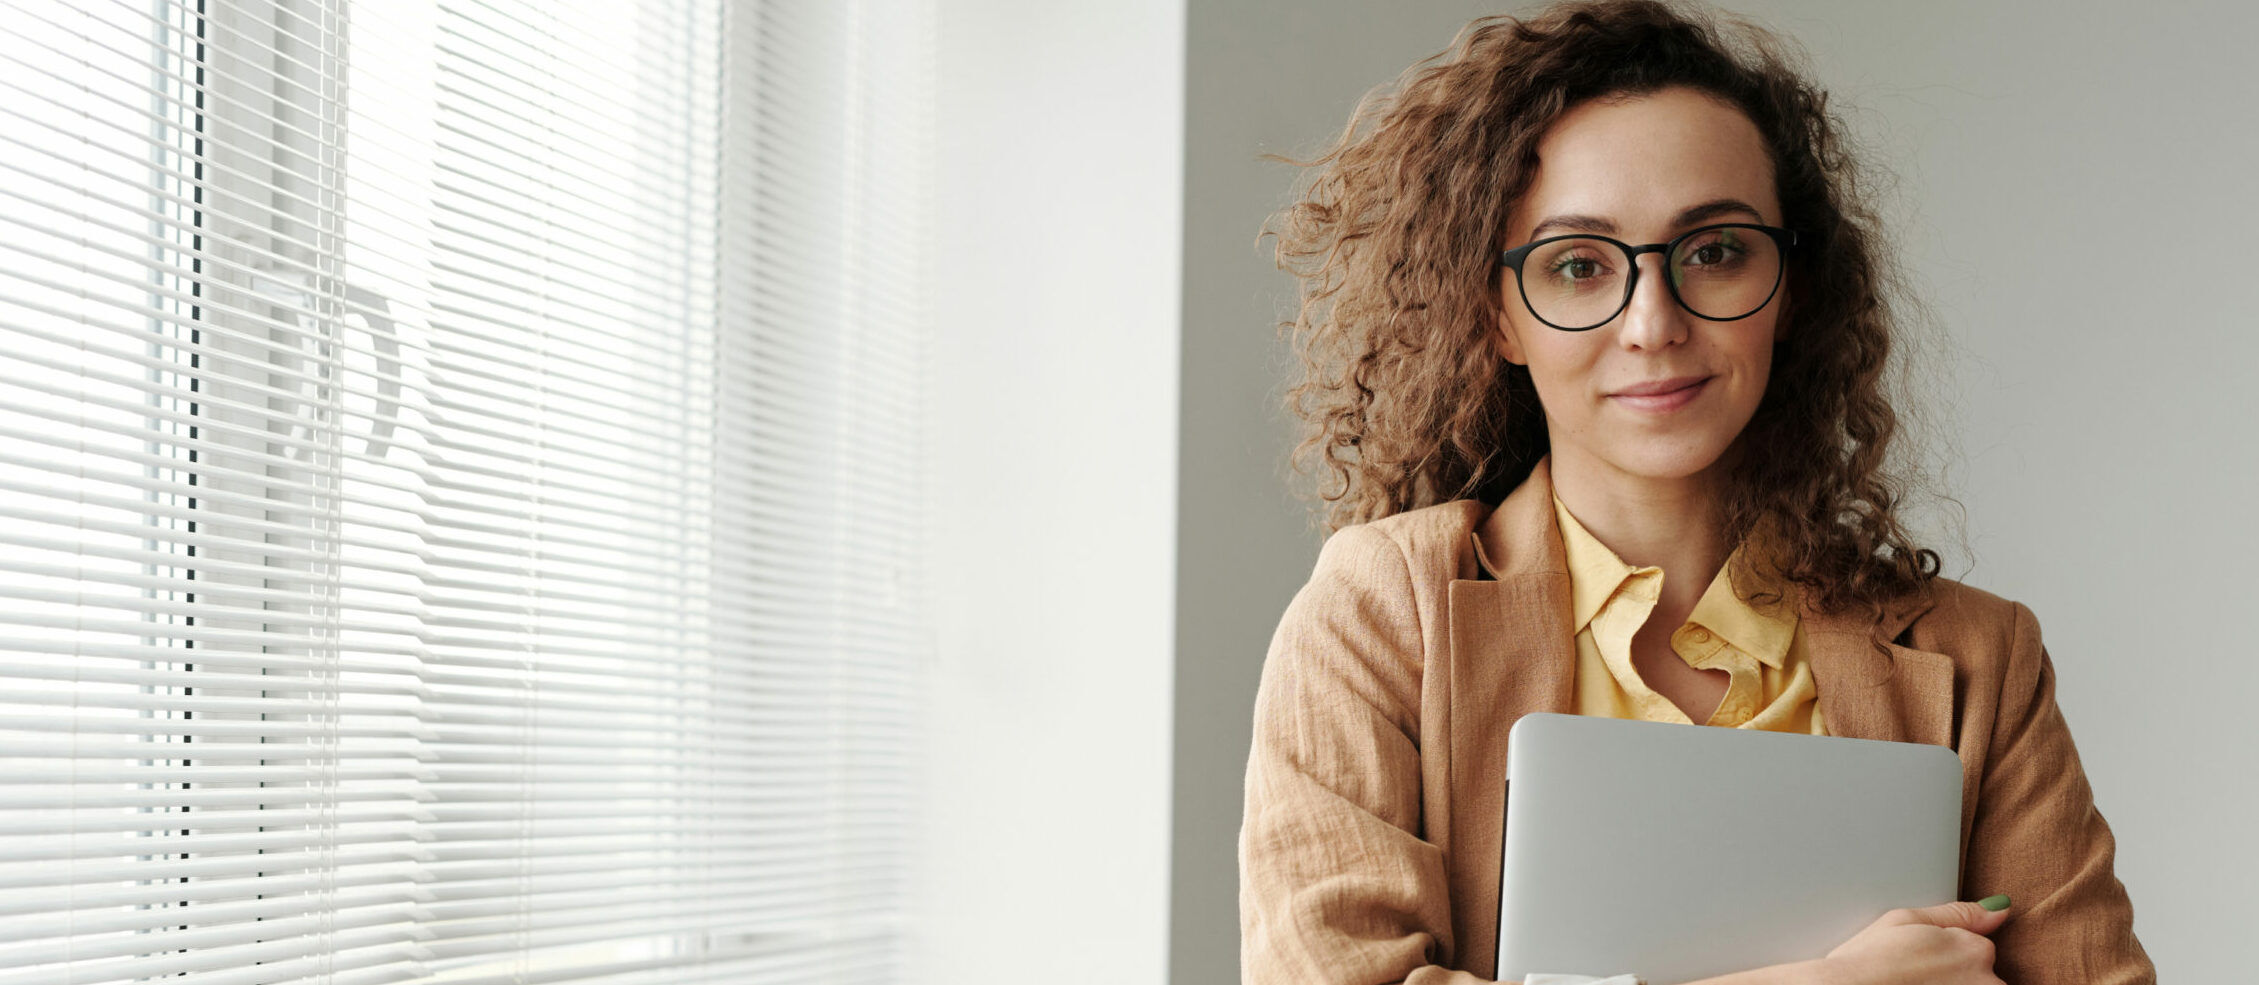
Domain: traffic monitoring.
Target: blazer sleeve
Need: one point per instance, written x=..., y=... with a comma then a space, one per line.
x=1336, y=884
x=2038, y=837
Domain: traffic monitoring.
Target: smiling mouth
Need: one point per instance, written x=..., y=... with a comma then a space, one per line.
x=1666, y=401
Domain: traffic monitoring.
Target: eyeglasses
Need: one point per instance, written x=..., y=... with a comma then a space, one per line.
x=1578, y=283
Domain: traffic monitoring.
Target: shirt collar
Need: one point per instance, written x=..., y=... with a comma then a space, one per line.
x=1596, y=574
x=1762, y=630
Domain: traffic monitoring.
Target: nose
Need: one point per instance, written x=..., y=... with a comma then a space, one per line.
x=1653, y=319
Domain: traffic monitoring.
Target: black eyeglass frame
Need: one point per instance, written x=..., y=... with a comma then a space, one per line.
x=1512, y=259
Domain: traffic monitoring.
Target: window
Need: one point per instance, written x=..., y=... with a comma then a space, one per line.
x=459, y=476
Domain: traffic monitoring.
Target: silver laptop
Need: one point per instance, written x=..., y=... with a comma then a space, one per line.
x=1677, y=852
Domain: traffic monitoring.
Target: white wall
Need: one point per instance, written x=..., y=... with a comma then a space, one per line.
x=1053, y=449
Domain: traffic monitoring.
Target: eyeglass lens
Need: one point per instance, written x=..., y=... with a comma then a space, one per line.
x=1580, y=282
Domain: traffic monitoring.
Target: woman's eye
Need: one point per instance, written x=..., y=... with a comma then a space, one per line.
x=1726, y=248
x=1578, y=268
x=1711, y=254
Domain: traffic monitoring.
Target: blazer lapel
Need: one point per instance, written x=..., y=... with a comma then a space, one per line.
x=1512, y=653
x=1871, y=688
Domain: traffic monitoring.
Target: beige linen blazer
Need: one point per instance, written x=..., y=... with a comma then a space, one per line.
x=1369, y=851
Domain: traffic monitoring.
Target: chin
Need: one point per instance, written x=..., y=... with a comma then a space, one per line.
x=1667, y=460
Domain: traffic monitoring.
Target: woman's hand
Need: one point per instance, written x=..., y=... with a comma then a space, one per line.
x=1932, y=945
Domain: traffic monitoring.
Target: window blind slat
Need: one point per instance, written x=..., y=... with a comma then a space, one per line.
x=458, y=489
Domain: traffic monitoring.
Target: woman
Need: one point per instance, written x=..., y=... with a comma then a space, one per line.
x=1595, y=333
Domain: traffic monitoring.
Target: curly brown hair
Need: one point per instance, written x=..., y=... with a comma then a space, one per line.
x=1394, y=235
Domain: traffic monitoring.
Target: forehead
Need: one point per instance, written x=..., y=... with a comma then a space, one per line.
x=1639, y=161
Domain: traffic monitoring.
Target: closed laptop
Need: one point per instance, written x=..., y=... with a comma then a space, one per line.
x=1677, y=852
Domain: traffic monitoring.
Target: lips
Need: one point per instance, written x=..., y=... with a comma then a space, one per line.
x=1659, y=387
x=1662, y=396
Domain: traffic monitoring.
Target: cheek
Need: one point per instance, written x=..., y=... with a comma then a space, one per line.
x=1756, y=370
x=1762, y=345
x=1560, y=367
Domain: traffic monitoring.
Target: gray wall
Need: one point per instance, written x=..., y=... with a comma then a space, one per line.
x=2073, y=196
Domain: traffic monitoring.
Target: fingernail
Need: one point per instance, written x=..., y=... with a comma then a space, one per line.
x=1994, y=903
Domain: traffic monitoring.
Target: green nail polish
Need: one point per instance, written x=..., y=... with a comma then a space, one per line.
x=1994, y=903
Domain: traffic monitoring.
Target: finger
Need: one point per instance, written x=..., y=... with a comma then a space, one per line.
x=1964, y=914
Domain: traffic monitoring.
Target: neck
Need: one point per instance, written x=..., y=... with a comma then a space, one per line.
x=1670, y=523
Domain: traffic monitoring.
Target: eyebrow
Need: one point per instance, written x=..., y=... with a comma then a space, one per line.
x=1602, y=224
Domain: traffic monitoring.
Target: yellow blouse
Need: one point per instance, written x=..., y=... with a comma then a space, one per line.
x=1762, y=647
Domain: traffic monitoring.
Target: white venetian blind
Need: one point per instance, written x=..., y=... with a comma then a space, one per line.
x=458, y=470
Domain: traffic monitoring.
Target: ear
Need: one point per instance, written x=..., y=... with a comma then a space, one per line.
x=1504, y=340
